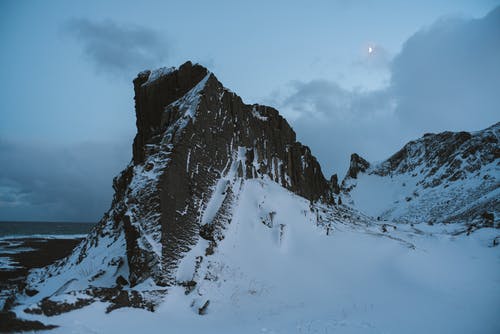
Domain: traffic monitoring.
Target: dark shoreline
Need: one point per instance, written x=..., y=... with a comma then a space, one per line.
x=31, y=229
x=36, y=252
x=41, y=253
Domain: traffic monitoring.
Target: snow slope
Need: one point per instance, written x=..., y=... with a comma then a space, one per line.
x=286, y=275
x=448, y=177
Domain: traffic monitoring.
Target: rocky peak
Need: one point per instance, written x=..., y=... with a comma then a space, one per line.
x=154, y=90
x=446, y=156
x=192, y=133
x=196, y=146
x=357, y=165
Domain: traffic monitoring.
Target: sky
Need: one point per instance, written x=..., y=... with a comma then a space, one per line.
x=66, y=99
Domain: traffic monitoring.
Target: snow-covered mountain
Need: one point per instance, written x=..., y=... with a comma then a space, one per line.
x=196, y=148
x=222, y=213
x=450, y=177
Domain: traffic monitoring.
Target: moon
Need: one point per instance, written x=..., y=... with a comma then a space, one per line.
x=370, y=50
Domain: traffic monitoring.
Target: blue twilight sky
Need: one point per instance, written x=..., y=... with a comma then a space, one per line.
x=66, y=99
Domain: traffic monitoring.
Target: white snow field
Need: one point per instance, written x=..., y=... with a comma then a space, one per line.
x=277, y=271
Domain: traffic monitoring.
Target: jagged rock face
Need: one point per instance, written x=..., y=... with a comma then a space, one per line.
x=153, y=92
x=190, y=130
x=357, y=165
x=334, y=181
x=453, y=153
x=196, y=144
x=445, y=177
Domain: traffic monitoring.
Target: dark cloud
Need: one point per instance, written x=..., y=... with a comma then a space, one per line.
x=336, y=122
x=319, y=99
x=72, y=184
x=446, y=77
x=116, y=48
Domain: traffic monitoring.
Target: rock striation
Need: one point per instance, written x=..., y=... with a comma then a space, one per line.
x=190, y=129
x=192, y=133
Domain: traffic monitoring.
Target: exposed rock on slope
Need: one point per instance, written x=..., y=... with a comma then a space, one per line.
x=357, y=165
x=203, y=128
x=196, y=143
x=446, y=177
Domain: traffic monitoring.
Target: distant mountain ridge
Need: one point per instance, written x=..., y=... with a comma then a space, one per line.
x=440, y=178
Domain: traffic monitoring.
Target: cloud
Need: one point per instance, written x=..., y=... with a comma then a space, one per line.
x=336, y=122
x=72, y=183
x=323, y=99
x=446, y=77
x=117, y=48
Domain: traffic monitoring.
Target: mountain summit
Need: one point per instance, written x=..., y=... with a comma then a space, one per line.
x=196, y=144
x=194, y=138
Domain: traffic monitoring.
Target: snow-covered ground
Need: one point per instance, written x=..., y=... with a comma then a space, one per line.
x=447, y=177
x=400, y=197
x=276, y=271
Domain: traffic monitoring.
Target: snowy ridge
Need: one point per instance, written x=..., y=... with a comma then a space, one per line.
x=443, y=178
x=157, y=74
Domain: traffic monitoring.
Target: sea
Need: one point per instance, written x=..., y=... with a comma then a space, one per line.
x=12, y=237
x=43, y=229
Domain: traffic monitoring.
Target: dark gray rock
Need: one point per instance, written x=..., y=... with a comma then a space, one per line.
x=357, y=165
x=334, y=181
x=196, y=152
x=51, y=308
x=121, y=281
x=458, y=153
x=10, y=323
x=203, y=310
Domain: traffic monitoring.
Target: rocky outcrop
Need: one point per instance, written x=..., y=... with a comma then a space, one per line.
x=192, y=133
x=10, y=323
x=154, y=90
x=200, y=128
x=447, y=156
x=334, y=181
x=357, y=165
